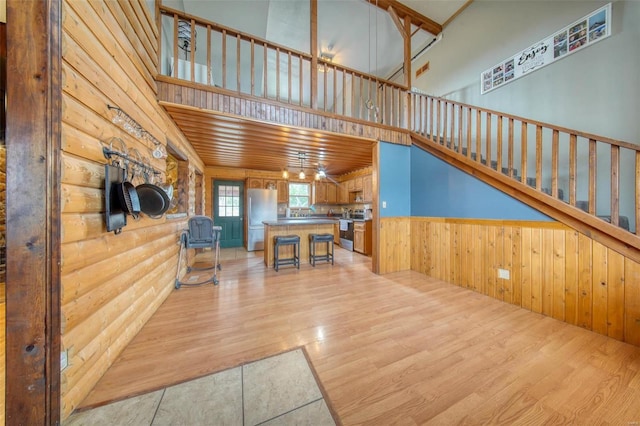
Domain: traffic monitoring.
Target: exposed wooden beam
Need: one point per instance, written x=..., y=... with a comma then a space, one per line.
x=396, y=20
x=417, y=19
x=458, y=12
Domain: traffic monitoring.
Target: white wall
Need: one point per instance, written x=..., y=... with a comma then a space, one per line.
x=596, y=89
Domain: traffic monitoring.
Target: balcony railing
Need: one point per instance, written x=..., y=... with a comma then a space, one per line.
x=211, y=54
x=584, y=170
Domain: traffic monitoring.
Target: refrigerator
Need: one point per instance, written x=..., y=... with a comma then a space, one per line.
x=262, y=205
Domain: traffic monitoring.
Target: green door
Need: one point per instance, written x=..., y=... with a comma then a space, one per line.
x=228, y=211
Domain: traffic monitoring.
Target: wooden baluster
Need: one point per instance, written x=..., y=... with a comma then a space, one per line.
x=209, y=70
x=460, y=141
x=335, y=90
x=431, y=118
x=452, y=133
x=539, y=157
x=324, y=99
x=478, y=136
x=592, y=176
x=224, y=59
x=524, y=152
x=510, y=149
x=278, y=73
x=290, y=80
x=301, y=76
x=438, y=122
x=554, y=163
x=192, y=56
x=238, y=66
x=573, y=151
x=489, y=141
x=615, y=185
x=499, y=146
x=253, y=68
x=444, y=122
x=175, y=46
x=353, y=95
x=468, y=132
x=344, y=96
x=265, y=68
x=637, y=201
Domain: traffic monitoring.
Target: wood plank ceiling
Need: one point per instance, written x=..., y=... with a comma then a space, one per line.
x=232, y=141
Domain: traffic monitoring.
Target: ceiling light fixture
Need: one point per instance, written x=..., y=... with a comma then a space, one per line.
x=301, y=157
x=285, y=174
x=327, y=58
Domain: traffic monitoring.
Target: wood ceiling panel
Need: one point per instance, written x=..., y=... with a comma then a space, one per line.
x=228, y=141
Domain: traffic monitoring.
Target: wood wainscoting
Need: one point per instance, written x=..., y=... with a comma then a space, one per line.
x=554, y=270
x=394, y=245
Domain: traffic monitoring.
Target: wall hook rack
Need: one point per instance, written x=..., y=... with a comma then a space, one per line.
x=134, y=128
x=109, y=152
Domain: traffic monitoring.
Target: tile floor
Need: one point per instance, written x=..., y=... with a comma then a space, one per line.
x=279, y=390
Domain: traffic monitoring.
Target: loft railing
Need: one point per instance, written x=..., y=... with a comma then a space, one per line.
x=596, y=174
x=211, y=54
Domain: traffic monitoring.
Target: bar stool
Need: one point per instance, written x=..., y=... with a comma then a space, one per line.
x=320, y=238
x=286, y=240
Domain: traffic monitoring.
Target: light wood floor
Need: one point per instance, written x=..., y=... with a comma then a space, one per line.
x=395, y=349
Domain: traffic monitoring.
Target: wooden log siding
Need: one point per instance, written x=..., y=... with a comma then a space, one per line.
x=554, y=270
x=111, y=284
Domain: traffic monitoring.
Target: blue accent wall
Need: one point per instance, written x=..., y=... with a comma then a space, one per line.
x=441, y=190
x=394, y=180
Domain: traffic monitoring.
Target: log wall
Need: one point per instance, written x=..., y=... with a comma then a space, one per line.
x=554, y=270
x=111, y=284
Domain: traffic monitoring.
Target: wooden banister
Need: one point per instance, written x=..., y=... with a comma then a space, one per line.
x=564, y=162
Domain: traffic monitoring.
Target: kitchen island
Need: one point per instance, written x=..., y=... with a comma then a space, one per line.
x=301, y=227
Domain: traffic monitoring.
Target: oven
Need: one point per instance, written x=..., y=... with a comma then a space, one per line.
x=346, y=234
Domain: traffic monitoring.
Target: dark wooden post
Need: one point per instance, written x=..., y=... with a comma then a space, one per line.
x=33, y=212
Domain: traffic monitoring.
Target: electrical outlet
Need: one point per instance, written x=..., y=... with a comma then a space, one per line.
x=384, y=204
x=64, y=360
x=503, y=273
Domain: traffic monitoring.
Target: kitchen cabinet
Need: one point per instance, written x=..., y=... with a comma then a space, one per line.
x=270, y=184
x=324, y=193
x=357, y=184
x=332, y=193
x=343, y=193
x=362, y=237
x=351, y=185
x=283, y=191
x=336, y=233
x=255, y=183
x=367, y=189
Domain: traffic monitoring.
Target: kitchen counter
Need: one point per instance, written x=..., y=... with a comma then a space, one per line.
x=300, y=221
x=295, y=226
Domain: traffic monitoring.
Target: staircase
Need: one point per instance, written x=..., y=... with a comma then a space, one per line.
x=574, y=177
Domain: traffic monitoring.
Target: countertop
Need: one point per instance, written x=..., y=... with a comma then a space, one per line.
x=301, y=221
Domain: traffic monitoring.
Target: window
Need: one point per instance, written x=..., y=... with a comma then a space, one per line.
x=299, y=194
x=228, y=201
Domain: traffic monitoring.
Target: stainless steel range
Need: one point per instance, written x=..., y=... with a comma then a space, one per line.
x=346, y=228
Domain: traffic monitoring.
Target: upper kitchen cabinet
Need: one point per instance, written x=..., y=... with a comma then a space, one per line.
x=367, y=188
x=255, y=183
x=324, y=193
x=343, y=193
x=283, y=191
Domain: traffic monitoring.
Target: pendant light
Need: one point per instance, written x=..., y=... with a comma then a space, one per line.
x=301, y=156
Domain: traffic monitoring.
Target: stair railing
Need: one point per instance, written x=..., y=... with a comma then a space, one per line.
x=593, y=173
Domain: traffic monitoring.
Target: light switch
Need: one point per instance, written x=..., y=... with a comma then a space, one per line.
x=384, y=204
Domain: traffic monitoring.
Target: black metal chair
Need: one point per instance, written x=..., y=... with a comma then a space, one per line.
x=200, y=235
